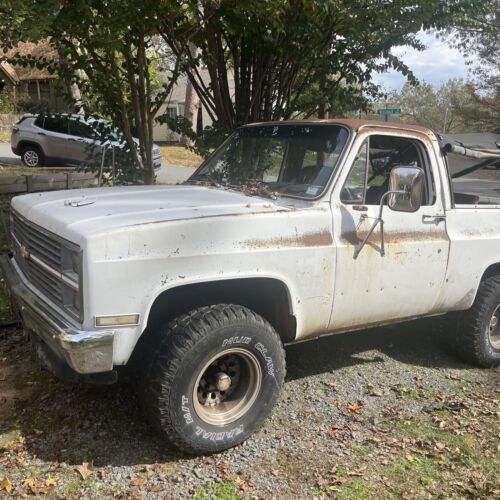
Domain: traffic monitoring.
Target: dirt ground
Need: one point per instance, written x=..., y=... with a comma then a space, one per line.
x=386, y=413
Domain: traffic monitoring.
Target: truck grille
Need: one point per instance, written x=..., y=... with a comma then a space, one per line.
x=40, y=256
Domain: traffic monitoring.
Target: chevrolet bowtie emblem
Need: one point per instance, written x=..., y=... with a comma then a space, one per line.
x=24, y=252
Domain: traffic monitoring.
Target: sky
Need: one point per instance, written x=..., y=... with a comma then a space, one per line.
x=435, y=65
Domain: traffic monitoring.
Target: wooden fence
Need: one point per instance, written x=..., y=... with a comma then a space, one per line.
x=11, y=184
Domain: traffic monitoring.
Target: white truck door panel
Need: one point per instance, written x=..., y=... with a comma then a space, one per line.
x=404, y=282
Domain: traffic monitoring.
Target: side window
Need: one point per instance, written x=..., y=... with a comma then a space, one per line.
x=57, y=124
x=354, y=186
x=39, y=121
x=369, y=177
x=81, y=129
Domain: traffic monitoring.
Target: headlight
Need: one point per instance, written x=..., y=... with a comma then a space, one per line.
x=71, y=267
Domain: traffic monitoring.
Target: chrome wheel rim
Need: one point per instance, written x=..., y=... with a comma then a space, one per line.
x=31, y=158
x=227, y=386
x=494, y=329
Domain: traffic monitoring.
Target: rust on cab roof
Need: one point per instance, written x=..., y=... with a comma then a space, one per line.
x=353, y=124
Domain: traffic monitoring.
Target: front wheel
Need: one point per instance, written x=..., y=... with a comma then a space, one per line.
x=215, y=379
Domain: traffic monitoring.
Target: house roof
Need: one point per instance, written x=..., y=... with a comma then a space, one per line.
x=42, y=49
x=9, y=71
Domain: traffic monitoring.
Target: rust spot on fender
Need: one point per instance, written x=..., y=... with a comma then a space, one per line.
x=320, y=239
x=391, y=238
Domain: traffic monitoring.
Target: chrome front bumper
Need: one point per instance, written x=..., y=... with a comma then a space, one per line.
x=84, y=351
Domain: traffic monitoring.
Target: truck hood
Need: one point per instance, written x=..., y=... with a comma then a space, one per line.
x=76, y=214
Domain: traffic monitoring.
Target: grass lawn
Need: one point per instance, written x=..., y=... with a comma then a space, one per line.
x=180, y=156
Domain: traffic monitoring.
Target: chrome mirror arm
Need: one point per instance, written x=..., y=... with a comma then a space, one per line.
x=377, y=221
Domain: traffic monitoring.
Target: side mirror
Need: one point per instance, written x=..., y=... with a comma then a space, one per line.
x=407, y=186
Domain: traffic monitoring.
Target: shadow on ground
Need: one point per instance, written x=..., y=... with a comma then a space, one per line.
x=416, y=343
x=68, y=423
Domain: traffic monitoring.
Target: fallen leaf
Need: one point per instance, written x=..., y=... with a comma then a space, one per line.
x=138, y=481
x=85, y=470
x=6, y=485
x=39, y=490
x=376, y=393
x=156, y=489
x=410, y=458
x=275, y=472
x=51, y=481
x=239, y=481
x=30, y=481
x=470, y=441
x=355, y=407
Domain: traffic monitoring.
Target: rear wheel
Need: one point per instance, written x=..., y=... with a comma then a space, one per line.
x=215, y=379
x=32, y=156
x=478, y=339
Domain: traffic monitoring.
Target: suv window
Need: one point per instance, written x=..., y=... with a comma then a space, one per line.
x=57, y=124
x=39, y=121
x=368, y=179
x=81, y=129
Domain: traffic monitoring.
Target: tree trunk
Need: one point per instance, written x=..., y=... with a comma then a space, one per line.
x=71, y=86
x=191, y=102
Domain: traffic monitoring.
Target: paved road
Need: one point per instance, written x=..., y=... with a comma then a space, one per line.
x=7, y=156
x=168, y=174
x=171, y=174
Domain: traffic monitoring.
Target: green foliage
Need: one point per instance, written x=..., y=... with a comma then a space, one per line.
x=108, y=50
x=203, y=144
x=478, y=36
x=28, y=104
x=223, y=490
x=6, y=102
x=438, y=108
x=297, y=58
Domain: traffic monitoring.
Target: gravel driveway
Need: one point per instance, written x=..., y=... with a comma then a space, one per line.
x=386, y=413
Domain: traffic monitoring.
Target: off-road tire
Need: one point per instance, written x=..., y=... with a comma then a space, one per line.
x=472, y=326
x=187, y=344
x=32, y=156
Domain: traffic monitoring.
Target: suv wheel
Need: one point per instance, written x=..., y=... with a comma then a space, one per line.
x=478, y=339
x=32, y=156
x=216, y=377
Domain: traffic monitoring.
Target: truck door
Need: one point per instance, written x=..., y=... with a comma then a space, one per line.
x=404, y=282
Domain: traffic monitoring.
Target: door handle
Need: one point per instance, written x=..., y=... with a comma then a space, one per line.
x=433, y=219
x=70, y=139
x=41, y=133
x=360, y=208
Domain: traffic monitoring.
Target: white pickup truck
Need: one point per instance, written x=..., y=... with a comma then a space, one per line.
x=289, y=231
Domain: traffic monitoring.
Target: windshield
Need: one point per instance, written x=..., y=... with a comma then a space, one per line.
x=295, y=160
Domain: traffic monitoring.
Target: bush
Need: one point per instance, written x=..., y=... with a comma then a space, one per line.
x=6, y=103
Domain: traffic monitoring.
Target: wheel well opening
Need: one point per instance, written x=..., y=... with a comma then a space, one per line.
x=265, y=296
x=24, y=144
x=493, y=270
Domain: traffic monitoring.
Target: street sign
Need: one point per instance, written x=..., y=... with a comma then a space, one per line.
x=389, y=111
